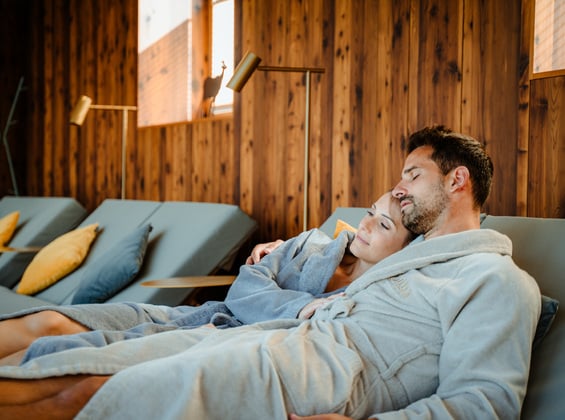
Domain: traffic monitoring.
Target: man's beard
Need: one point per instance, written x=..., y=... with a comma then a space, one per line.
x=423, y=215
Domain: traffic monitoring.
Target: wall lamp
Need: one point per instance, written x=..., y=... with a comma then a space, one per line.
x=78, y=114
x=243, y=71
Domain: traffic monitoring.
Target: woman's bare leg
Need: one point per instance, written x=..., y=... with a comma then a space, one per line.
x=14, y=359
x=51, y=398
x=17, y=334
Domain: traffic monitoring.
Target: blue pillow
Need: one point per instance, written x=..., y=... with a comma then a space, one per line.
x=114, y=270
x=549, y=308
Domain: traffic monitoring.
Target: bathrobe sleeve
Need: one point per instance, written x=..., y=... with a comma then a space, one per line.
x=488, y=315
x=283, y=282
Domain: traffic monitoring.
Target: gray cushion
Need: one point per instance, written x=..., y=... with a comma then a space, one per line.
x=113, y=271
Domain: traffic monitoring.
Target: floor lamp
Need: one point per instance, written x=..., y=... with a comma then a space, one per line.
x=9, y=123
x=248, y=64
x=78, y=114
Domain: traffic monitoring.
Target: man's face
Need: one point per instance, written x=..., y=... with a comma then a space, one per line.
x=421, y=192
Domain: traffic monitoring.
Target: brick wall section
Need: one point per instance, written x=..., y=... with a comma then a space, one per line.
x=163, y=79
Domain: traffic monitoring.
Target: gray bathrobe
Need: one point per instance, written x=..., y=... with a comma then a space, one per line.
x=441, y=329
x=279, y=286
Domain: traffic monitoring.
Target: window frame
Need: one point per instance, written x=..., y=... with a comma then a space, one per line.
x=200, y=62
x=542, y=74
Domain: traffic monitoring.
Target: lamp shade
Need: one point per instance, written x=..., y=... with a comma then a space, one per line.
x=78, y=114
x=243, y=71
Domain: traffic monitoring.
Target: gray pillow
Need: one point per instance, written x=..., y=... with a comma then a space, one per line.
x=549, y=308
x=107, y=275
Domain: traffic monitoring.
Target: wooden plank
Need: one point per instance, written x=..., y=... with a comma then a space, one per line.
x=437, y=74
x=293, y=95
x=523, y=131
x=201, y=63
x=190, y=281
x=276, y=151
x=178, y=137
x=59, y=116
x=128, y=65
x=342, y=130
x=400, y=101
x=501, y=103
x=375, y=110
x=227, y=175
x=200, y=168
x=246, y=104
x=49, y=93
x=75, y=52
x=546, y=192
x=35, y=83
x=413, y=69
x=322, y=38
x=473, y=62
x=87, y=86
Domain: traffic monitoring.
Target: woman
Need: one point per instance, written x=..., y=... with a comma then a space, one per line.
x=293, y=281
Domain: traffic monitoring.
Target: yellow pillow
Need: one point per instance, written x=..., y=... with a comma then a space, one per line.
x=8, y=225
x=57, y=259
x=341, y=225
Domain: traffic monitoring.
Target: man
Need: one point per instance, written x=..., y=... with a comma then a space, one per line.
x=442, y=328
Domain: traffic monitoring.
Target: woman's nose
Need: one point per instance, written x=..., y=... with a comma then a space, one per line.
x=365, y=223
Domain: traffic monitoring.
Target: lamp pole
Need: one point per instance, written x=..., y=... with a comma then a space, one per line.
x=78, y=115
x=248, y=64
x=308, y=75
x=124, y=109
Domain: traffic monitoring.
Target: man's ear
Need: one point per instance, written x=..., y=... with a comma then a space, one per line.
x=459, y=178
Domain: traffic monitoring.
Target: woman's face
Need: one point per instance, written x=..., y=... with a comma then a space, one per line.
x=381, y=231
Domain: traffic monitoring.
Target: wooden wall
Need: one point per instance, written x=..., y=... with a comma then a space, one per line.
x=391, y=67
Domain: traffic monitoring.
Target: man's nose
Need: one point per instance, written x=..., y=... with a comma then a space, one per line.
x=399, y=191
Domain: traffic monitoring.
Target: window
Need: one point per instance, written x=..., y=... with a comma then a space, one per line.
x=549, y=36
x=222, y=51
x=181, y=43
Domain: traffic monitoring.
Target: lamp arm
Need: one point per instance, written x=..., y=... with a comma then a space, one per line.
x=115, y=107
x=292, y=69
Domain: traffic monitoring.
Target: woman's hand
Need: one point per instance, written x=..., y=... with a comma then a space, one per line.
x=260, y=250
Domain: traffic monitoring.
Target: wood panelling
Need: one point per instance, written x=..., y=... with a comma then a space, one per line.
x=191, y=162
x=79, y=47
x=394, y=68
x=523, y=130
x=490, y=100
x=391, y=67
x=546, y=189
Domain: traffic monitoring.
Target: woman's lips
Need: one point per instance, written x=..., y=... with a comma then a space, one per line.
x=360, y=239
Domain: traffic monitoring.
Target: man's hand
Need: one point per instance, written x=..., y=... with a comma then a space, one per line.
x=319, y=417
x=260, y=250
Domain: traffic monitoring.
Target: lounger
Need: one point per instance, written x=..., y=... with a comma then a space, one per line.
x=187, y=238
x=41, y=220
